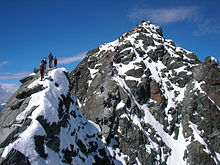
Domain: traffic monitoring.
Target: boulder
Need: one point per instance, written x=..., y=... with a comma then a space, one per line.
x=155, y=92
x=26, y=79
x=15, y=157
x=137, y=73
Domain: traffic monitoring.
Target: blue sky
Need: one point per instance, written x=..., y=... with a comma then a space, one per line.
x=30, y=29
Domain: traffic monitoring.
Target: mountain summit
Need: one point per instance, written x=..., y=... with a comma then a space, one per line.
x=144, y=100
x=155, y=102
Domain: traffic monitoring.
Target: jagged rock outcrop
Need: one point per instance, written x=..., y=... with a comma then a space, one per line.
x=42, y=124
x=209, y=72
x=155, y=102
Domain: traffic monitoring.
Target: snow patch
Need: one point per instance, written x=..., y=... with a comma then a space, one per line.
x=120, y=105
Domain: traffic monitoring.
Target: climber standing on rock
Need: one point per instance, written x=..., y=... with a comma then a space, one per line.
x=55, y=62
x=44, y=61
x=50, y=57
x=42, y=68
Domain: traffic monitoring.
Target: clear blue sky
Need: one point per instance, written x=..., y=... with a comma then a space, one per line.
x=30, y=29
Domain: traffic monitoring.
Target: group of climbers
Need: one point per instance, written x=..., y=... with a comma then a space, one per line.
x=43, y=64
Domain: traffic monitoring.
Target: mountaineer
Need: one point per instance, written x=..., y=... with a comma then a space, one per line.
x=44, y=61
x=42, y=68
x=55, y=62
x=50, y=57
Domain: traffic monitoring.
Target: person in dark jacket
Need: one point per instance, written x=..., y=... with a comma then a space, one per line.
x=44, y=61
x=50, y=57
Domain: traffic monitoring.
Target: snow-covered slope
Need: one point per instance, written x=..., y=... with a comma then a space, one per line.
x=48, y=127
x=151, y=99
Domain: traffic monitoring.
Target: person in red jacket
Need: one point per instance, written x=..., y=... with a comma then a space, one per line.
x=55, y=62
x=42, y=68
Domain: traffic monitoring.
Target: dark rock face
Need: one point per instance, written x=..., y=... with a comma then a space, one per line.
x=147, y=94
x=15, y=157
x=156, y=93
x=26, y=79
x=197, y=155
x=209, y=72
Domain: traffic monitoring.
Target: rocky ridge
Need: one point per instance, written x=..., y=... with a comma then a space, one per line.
x=42, y=124
x=155, y=102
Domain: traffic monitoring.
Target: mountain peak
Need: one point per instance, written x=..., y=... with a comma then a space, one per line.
x=146, y=92
x=145, y=101
x=145, y=29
